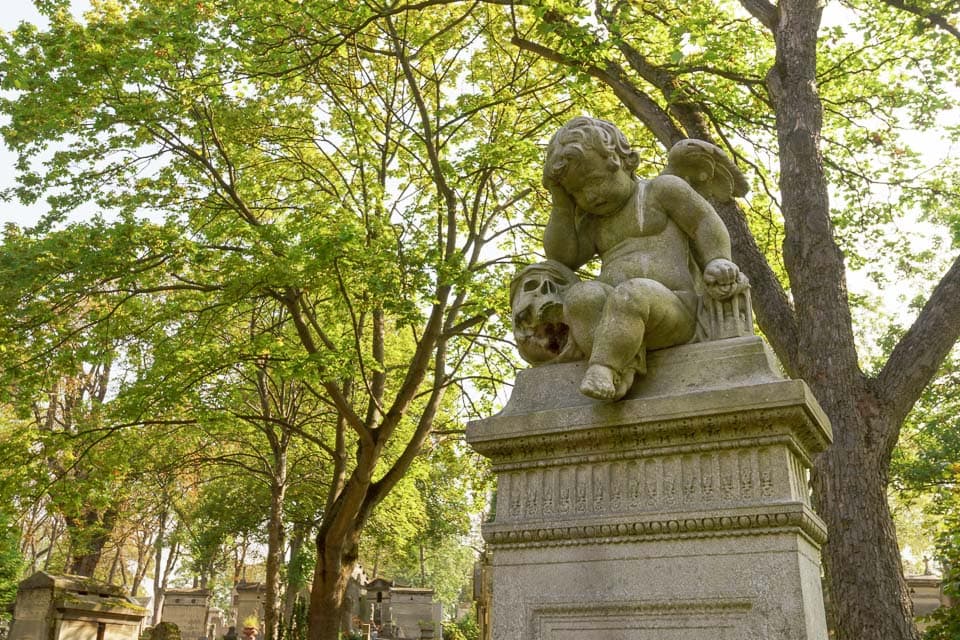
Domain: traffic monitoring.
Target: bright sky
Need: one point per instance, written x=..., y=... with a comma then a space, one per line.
x=14, y=12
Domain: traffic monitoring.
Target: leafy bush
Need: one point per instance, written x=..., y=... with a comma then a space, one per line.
x=463, y=629
x=10, y=563
x=946, y=620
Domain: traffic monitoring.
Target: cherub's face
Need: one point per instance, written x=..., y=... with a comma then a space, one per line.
x=597, y=188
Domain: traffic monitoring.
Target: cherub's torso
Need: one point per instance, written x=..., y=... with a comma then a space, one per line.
x=641, y=241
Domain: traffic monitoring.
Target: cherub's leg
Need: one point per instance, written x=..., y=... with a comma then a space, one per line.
x=636, y=314
x=582, y=309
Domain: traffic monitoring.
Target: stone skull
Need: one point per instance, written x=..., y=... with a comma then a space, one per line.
x=536, y=303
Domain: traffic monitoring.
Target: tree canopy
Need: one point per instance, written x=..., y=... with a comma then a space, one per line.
x=305, y=233
x=309, y=211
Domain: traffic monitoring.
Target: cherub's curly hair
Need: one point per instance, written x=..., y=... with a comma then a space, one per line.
x=580, y=134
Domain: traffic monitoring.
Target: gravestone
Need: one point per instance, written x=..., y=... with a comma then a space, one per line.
x=215, y=623
x=652, y=471
x=926, y=595
x=378, y=593
x=482, y=593
x=681, y=512
x=400, y=611
x=66, y=607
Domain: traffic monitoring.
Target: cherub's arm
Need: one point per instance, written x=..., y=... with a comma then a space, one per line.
x=694, y=215
x=698, y=219
x=562, y=240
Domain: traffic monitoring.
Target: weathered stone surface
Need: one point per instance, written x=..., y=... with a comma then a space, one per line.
x=680, y=512
x=65, y=607
x=188, y=609
x=248, y=601
x=663, y=249
x=673, y=373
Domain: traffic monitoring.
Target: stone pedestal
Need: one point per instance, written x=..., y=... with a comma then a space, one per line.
x=681, y=512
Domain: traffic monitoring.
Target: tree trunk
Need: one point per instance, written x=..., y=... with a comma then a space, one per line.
x=158, y=565
x=89, y=535
x=143, y=563
x=867, y=592
x=240, y=561
x=56, y=531
x=335, y=563
x=294, y=583
x=376, y=564
x=423, y=566
x=123, y=575
x=84, y=564
x=114, y=565
x=275, y=548
x=163, y=575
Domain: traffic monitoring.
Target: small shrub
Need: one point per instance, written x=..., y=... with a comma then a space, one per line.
x=463, y=629
x=165, y=631
x=945, y=621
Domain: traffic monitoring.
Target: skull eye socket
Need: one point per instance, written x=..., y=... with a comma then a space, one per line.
x=531, y=285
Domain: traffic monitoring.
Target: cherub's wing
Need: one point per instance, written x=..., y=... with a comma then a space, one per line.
x=707, y=168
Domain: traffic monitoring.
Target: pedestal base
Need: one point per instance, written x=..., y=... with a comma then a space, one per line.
x=678, y=513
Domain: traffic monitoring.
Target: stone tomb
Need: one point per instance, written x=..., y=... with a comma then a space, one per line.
x=189, y=610
x=403, y=612
x=414, y=613
x=65, y=607
x=681, y=512
x=248, y=601
x=926, y=594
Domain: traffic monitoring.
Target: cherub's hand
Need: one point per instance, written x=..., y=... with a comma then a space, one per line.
x=562, y=200
x=723, y=279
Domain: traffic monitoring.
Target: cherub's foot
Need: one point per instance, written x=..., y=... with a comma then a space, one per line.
x=603, y=383
x=626, y=381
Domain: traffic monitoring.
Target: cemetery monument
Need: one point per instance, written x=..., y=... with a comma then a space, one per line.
x=652, y=467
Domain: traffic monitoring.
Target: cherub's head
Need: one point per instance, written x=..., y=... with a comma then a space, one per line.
x=582, y=134
x=590, y=168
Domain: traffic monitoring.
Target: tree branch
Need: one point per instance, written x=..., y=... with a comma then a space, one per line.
x=386, y=483
x=936, y=19
x=638, y=103
x=763, y=11
x=918, y=355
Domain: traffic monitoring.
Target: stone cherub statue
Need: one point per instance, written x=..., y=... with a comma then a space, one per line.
x=660, y=243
